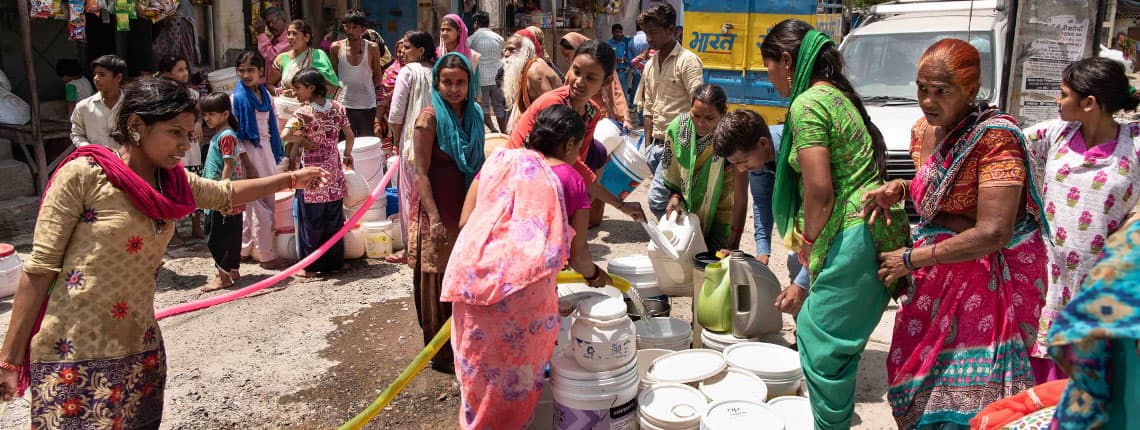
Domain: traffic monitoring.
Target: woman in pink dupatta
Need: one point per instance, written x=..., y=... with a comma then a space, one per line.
x=963, y=332
x=501, y=277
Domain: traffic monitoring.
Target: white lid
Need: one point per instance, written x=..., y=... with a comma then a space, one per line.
x=795, y=410
x=665, y=329
x=764, y=359
x=740, y=414
x=630, y=265
x=725, y=338
x=602, y=308
x=735, y=384
x=563, y=366
x=360, y=144
x=568, y=289
x=687, y=366
x=672, y=404
x=376, y=224
x=645, y=358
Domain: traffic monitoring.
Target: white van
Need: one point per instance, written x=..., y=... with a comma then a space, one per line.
x=882, y=61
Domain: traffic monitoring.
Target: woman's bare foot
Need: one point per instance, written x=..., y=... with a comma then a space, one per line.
x=235, y=275
x=305, y=274
x=277, y=264
x=223, y=280
x=397, y=258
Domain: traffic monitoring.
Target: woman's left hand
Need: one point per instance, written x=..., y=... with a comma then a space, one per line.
x=805, y=254
x=891, y=266
x=311, y=178
x=633, y=210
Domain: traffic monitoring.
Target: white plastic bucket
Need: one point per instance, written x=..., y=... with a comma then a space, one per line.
x=740, y=414
x=603, y=336
x=687, y=367
x=645, y=359
x=283, y=210
x=795, y=410
x=354, y=244
x=671, y=407
x=223, y=80
x=721, y=341
x=626, y=170
x=607, y=399
x=778, y=366
x=286, y=245
x=608, y=133
x=734, y=384
x=673, y=334
x=397, y=233
x=367, y=159
x=356, y=189
x=638, y=270
x=10, y=270
x=377, y=238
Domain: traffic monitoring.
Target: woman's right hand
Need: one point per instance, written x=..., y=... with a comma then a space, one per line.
x=633, y=210
x=311, y=178
x=9, y=380
x=674, y=205
x=878, y=202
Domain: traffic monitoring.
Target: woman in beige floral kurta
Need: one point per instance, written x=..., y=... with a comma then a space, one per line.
x=97, y=360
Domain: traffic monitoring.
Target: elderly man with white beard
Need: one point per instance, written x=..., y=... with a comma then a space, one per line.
x=525, y=75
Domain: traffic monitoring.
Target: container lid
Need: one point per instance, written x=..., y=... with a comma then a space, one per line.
x=687, y=366
x=672, y=404
x=361, y=144
x=795, y=410
x=631, y=265
x=725, y=338
x=702, y=260
x=645, y=358
x=568, y=289
x=602, y=308
x=765, y=360
x=376, y=224
x=662, y=243
x=564, y=366
x=735, y=384
x=6, y=250
x=740, y=414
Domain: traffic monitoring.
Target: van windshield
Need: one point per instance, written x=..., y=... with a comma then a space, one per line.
x=882, y=67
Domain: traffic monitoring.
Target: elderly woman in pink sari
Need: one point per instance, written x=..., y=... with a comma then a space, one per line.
x=525, y=215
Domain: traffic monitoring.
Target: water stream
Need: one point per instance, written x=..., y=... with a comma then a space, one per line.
x=639, y=307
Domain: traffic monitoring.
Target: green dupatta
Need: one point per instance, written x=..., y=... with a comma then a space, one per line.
x=786, y=199
x=701, y=184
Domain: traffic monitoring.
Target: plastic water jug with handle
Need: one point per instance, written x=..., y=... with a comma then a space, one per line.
x=754, y=291
x=679, y=239
x=714, y=305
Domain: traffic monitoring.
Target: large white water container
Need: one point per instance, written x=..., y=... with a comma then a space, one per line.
x=286, y=246
x=603, y=336
x=682, y=234
x=367, y=159
x=223, y=80
x=283, y=210
x=638, y=270
x=356, y=188
x=377, y=238
x=740, y=414
x=354, y=244
x=778, y=366
x=735, y=384
x=687, y=367
x=671, y=407
x=673, y=334
x=795, y=410
x=607, y=399
x=10, y=270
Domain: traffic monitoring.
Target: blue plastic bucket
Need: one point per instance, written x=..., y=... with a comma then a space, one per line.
x=625, y=170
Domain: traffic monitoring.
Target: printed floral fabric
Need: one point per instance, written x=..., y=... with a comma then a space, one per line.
x=501, y=353
x=997, y=160
x=1106, y=311
x=117, y=393
x=1088, y=193
x=321, y=126
x=99, y=318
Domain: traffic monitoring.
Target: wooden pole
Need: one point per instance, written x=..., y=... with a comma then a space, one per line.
x=30, y=66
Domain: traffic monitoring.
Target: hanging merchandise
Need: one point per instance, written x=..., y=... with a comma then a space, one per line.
x=76, y=21
x=156, y=10
x=132, y=9
x=58, y=9
x=93, y=7
x=123, y=12
x=40, y=9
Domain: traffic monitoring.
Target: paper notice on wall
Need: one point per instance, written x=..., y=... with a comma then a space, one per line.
x=1060, y=41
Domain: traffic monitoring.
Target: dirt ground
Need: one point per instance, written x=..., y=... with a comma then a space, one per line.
x=311, y=354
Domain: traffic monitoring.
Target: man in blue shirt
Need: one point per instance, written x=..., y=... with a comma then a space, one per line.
x=620, y=43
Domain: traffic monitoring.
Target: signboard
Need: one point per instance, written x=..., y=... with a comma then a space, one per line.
x=1049, y=36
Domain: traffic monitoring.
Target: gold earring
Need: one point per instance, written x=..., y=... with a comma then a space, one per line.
x=135, y=138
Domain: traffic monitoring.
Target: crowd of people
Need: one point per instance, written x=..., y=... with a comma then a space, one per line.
x=1034, y=281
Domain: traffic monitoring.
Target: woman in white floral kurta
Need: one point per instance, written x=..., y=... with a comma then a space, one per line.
x=1091, y=169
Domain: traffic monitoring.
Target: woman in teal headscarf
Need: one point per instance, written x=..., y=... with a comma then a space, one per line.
x=831, y=156
x=448, y=146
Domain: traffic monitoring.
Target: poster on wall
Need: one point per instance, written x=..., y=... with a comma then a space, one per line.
x=1049, y=36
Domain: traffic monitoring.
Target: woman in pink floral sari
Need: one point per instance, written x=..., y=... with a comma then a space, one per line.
x=962, y=335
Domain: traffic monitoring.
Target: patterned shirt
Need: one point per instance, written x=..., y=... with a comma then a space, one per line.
x=321, y=125
x=489, y=45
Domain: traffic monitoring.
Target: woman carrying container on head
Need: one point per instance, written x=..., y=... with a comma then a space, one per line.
x=1091, y=170
x=83, y=333
x=702, y=182
x=963, y=332
x=525, y=215
x=448, y=146
x=831, y=156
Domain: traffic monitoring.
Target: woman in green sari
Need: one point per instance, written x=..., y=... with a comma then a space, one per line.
x=830, y=156
x=700, y=181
